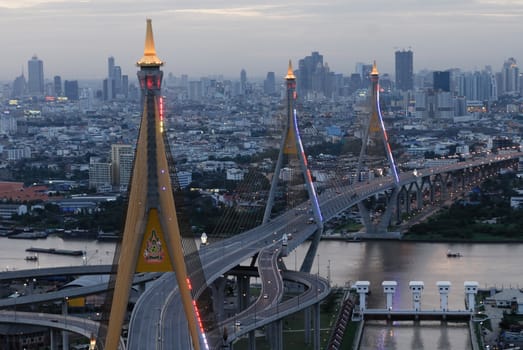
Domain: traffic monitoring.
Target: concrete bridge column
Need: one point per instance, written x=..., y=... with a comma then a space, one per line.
x=316, y=309
x=252, y=340
x=444, y=189
x=365, y=216
x=244, y=291
x=408, y=209
x=419, y=198
x=218, y=296
x=307, y=325
x=52, y=340
x=65, y=334
x=274, y=335
x=432, y=190
x=387, y=215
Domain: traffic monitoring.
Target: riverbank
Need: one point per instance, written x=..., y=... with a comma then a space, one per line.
x=359, y=237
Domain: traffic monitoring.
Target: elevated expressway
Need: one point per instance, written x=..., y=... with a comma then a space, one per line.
x=158, y=322
x=157, y=319
x=78, y=325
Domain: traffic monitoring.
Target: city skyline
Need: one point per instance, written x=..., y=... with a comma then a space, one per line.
x=74, y=39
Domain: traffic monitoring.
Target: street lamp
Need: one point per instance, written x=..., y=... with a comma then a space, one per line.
x=204, y=238
x=92, y=342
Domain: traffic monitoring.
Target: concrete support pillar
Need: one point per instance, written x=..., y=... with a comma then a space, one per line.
x=444, y=288
x=471, y=289
x=252, y=340
x=218, y=297
x=65, y=334
x=244, y=291
x=419, y=198
x=316, y=312
x=389, y=288
x=274, y=335
x=408, y=209
x=387, y=215
x=365, y=216
x=362, y=288
x=307, y=325
x=416, y=287
x=52, y=339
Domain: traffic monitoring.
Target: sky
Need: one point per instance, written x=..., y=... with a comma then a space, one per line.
x=74, y=38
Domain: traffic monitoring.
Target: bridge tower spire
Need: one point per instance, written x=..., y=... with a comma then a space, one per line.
x=374, y=128
x=293, y=154
x=374, y=132
x=151, y=240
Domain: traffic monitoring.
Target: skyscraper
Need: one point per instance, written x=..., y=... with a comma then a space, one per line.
x=510, y=77
x=441, y=81
x=36, y=76
x=269, y=84
x=243, y=82
x=57, y=85
x=122, y=157
x=404, y=70
x=71, y=89
x=19, y=87
x=306, y=70
x=110, y=67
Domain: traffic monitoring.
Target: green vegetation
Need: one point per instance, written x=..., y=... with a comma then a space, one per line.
x=485, y=215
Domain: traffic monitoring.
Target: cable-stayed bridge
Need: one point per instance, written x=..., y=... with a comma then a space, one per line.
x=220, y=257
x=170, y=314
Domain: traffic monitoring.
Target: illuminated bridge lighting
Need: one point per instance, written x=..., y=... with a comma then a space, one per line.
x=314, y=198
x=160, y=99
x=389, y=151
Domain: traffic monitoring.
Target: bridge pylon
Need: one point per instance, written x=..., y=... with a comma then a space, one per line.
x=374, y=132
x=294, y=182
x=151, y=240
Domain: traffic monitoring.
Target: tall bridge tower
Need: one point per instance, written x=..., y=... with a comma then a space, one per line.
x=151, y=239
x=374, y=132
x=296, y=175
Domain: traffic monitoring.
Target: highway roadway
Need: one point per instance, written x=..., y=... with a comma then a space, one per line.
x=158, y=319
x=219, y=257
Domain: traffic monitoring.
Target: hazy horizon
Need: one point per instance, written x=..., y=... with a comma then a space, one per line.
x=205, y=38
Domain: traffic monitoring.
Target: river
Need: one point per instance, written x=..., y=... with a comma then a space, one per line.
x=490, y=265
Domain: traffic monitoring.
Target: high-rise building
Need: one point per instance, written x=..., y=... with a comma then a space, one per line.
x=125, y=85
x=404, y=70
x=71, y=90
x=110, y=67
x=269, y=84
x=510, y=77
x=243, y=82
x=99, y=173
x=35, y=76
x=117, y=80
x=477, y=86
x=441, y=81
x=306, y=69
x=19, y=87
x=57, y=85
x=121, y=164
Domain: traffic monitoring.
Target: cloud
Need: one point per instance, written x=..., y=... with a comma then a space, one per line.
x=19, y=4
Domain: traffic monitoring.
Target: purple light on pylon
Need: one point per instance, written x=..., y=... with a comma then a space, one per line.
x=389, y=151
x=309, y=177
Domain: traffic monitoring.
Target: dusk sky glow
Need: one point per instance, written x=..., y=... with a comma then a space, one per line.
x=210, y=37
